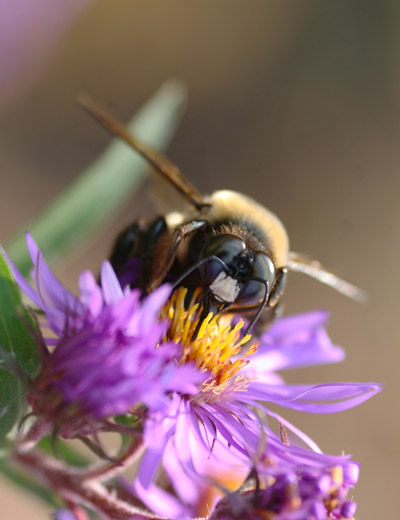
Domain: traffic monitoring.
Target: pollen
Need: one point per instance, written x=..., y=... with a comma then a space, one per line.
x=218, y=346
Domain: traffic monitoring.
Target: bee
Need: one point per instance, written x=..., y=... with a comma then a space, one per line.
x=232, y=247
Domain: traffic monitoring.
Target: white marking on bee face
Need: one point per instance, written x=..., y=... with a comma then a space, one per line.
x=225, y=288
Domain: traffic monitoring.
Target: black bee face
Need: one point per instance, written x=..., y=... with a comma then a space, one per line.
x=234, y=273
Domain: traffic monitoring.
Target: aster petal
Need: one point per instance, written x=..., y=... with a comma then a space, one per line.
x=90, y=293
x=23, y=284
x=297, y=341
x=296, y=456
x=50, y=289
x=232, y=430
x=152, y=306
x=295, y=326
x=301, y=397
x=160, y=501
x=185, y=486
x=184, y=379
x=181, y=437
x=297, y=432
x=148, y=467
x=112, y=291
x=315, y=351
x=159, y=427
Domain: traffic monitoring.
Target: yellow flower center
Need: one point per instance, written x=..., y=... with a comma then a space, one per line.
x=217, y=346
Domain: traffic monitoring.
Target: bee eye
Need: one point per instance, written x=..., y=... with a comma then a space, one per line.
x=263, y=269
x=226, y=247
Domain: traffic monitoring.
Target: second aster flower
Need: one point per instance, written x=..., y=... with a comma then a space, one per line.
x=107, y=358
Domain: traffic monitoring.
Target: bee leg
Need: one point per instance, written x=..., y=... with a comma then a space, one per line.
x=165, y=249
x=127, y=243
x=131, y=252
x=274, y=306
x=278, y=287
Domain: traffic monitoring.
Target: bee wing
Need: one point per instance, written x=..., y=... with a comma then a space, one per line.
x=165, y=197
x=161, y=164
x=304, y=264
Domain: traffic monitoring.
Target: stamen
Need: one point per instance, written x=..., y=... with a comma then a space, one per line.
x=216, y=345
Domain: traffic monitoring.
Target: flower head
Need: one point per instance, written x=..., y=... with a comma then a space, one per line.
x=298, y=493
x=226, y=414
x=107, y=357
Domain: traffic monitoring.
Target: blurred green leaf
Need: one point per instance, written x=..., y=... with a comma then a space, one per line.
x=106, y=184
x=27, y=483
x=16, y=339
x=63, y=450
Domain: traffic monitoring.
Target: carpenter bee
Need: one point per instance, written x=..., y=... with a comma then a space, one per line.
x=235, y=249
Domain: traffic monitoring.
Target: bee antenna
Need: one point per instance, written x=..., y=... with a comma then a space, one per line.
x=262, y=304
x=197, y=265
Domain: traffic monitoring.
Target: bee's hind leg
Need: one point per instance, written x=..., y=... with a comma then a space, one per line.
x=130, y=255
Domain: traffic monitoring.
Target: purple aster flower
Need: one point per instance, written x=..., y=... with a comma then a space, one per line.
x=285, y=492
x=195, y=496
x=302, y=485
x=240, y=385
x=107, y=358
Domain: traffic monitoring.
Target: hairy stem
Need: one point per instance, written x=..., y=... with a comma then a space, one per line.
x=106, y=470
x=68, y=484
x=37, y=431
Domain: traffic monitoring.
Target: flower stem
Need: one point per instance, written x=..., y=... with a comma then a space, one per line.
x=105, y=471
x=69, y=485
x=37, y=431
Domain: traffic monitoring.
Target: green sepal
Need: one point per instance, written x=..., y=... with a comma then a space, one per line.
x=16, y=344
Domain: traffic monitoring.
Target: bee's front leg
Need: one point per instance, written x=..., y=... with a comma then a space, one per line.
x=274, y=307
x=165, y=249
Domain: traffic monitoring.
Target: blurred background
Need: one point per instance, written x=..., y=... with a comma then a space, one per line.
x=297, y=104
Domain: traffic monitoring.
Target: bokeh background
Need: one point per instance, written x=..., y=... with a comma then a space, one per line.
x=294, y=103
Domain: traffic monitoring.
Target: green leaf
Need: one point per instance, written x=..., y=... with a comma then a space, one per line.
x=26, y=483
x=63, y=450
x=105, y=185
x=16, y=339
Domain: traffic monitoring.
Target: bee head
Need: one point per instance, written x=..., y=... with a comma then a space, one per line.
x=233, y=272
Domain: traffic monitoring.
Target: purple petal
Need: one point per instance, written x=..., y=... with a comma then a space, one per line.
x=300, y=397
x=294, y=326
x=152, y=305
x=47, y=283
x=160, y=501
x=148, y=467
x=316, y=351
x=23, y=284
x=112, y=291
x=187, y=489
x=299, y=434
x=90, y=293
x=348, y=509
x=297, y=341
